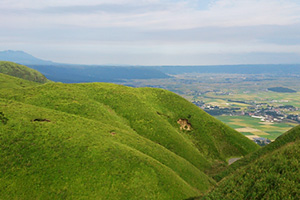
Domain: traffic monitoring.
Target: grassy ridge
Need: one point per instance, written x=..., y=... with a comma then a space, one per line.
x=22, y=71
x=271, y=173
x=65, y=141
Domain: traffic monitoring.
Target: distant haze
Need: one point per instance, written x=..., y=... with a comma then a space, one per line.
x=154, y=32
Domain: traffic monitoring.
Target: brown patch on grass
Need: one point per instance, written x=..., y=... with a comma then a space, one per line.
x=113, y=133
x=184, y=124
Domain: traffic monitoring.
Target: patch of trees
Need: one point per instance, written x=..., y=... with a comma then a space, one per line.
x=287, y=107
x=273, y=114
x=293, y=117
x=236, y=101
x=281, y=90
x=221, y=111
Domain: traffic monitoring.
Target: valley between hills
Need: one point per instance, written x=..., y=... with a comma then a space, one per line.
x=109, y=141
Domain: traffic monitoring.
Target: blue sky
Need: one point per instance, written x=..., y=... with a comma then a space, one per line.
x=153, y=32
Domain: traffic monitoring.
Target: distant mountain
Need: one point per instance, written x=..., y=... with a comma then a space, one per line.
x=72, y=73
x=22, y=58
x=22, y=71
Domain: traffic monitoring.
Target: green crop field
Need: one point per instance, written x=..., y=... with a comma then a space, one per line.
x=261, y=129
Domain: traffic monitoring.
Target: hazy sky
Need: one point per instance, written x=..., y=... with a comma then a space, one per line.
x=153, y=32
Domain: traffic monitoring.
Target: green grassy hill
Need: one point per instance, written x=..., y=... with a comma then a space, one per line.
x=106, y=141
x=22, y=71
x=272, y=172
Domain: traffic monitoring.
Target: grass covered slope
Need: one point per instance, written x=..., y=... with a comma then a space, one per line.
x=22, y=71
x=290, y=136
x=152, y=113
x=74, y=157
x=107, y=141
x=274, y=174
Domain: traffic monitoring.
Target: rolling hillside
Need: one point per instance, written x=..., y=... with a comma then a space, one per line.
x=269, y=173
x=22, y=71
x=99, y=140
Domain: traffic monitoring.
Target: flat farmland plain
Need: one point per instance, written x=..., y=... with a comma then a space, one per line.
x=252, y=126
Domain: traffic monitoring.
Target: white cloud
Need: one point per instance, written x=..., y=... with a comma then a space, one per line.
x=150, y=27
x=153, y=14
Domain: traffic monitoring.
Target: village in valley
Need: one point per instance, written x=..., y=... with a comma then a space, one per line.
x=264, y=112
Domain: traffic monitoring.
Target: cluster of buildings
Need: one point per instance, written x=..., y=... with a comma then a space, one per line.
x=274, y=114
x=262, y=111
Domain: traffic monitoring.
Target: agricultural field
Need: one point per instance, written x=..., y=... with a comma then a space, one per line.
x=252, y=127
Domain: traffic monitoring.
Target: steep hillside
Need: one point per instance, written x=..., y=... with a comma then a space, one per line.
x=21, y=71
x=107, y=141
x=271, y=173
